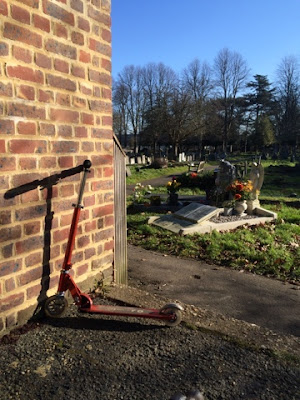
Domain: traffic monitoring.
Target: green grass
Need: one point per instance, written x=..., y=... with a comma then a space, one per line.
x=145, y=173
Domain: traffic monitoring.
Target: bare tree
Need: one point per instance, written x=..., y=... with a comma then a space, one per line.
x=120, y=115
x=131, y=79
x=231, y=73
x=288, y=83
x=197, y=80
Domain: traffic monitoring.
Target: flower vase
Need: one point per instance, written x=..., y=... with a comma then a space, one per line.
x=240, y=207
x=173, y=199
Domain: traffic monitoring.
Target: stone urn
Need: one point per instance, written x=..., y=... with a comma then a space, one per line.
x=240, y=207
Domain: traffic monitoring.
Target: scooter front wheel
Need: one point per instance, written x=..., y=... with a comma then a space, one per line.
x=55, y=306
x=173, y=311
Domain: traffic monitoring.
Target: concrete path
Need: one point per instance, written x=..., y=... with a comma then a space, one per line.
x=262, y=301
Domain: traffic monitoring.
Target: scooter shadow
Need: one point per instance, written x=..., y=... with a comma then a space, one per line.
x=102, y=324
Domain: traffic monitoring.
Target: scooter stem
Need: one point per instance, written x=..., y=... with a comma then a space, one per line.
x=77, y=208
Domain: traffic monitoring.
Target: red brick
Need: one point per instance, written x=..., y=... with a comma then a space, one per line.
x=58, y=12
x=65, y=147
x=61, y=83
x=23, y=35
x=77, y=5
x=78, y=71
x=7, y=164
x=103, y=211
x=48, y=162
x=65, y=130
x=106, y=64
x=80, y=131
x=106, y=121
x=20, y=14
x=4, y=49
x=2, y=146
x=87, y=119
x=25, y=92
x=25, y=110
x=61, y=65
x=60, y=31
x=25, y=179
x=33, y=259
x=10, y=285
x=6, y=89
x=61, y=235
x=100, y=47
x=82, y=269
x=64, y=116
x=28, y=245
x=33, y=291
x=27, y=163
x=100, y=106
x=101, y=133
x=96, y=3
x=32, y=228
x=63, y=99
x=83, y=24
x=99, y=77
x=77, y=38
x=86, y=90
x=90, y=226
x=104, y=234
x=11, y=302
x=109, y=245
x=83, y=241
x=29, y=197
x=10, y=267
x=7, y=127
x=28, y=146
x=84, y=56
x=47, y=129
x=7, y=251
x=30, y=276
x=67, y=190
x=43, y=61
x=26, y=128
x=3, y=8
x=41, y=23
x=64, y=50
x=30, y=3
x=25, y=73
x=98, y=16
x=78, y=102
x=30, y=213
x=106, y=35
x=46, y=96
x=87, y=147
x=66, y=162
x=11, y=233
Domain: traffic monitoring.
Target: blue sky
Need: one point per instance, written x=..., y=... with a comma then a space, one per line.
x=175, y=32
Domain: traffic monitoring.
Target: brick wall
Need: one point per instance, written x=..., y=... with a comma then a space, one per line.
x=55, y=112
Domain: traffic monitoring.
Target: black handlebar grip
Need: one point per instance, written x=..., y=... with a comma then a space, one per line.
x=87, y=164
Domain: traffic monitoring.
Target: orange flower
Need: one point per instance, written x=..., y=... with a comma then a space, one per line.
x=237, y=196
x=239, y=187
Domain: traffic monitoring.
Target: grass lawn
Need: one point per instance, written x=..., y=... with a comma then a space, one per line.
x=272, y=249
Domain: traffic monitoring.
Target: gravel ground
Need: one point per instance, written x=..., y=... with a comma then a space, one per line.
x=91, y=357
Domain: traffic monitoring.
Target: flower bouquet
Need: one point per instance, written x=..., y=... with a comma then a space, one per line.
x=240, y=190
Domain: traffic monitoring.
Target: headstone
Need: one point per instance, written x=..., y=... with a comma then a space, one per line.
x=132, y=161
x=226, y=174
x=143, y=159
x=139, y=160
x=196, y=213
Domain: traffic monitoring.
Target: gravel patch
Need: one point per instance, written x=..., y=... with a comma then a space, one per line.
x=93, y=357
x=220, y=219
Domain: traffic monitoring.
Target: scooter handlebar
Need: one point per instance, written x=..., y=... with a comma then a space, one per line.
x=87, y=165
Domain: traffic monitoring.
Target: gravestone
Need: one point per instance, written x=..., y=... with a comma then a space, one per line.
x=190, y=216
x=196, y=213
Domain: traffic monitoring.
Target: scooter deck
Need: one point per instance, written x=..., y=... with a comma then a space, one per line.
x=125, y=311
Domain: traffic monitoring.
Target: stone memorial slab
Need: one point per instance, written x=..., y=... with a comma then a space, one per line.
x=196, y=213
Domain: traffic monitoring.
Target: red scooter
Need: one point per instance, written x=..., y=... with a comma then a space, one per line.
x=170, y=314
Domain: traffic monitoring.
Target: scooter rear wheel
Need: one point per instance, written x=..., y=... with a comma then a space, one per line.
x=175, y=312
x=55, y=306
